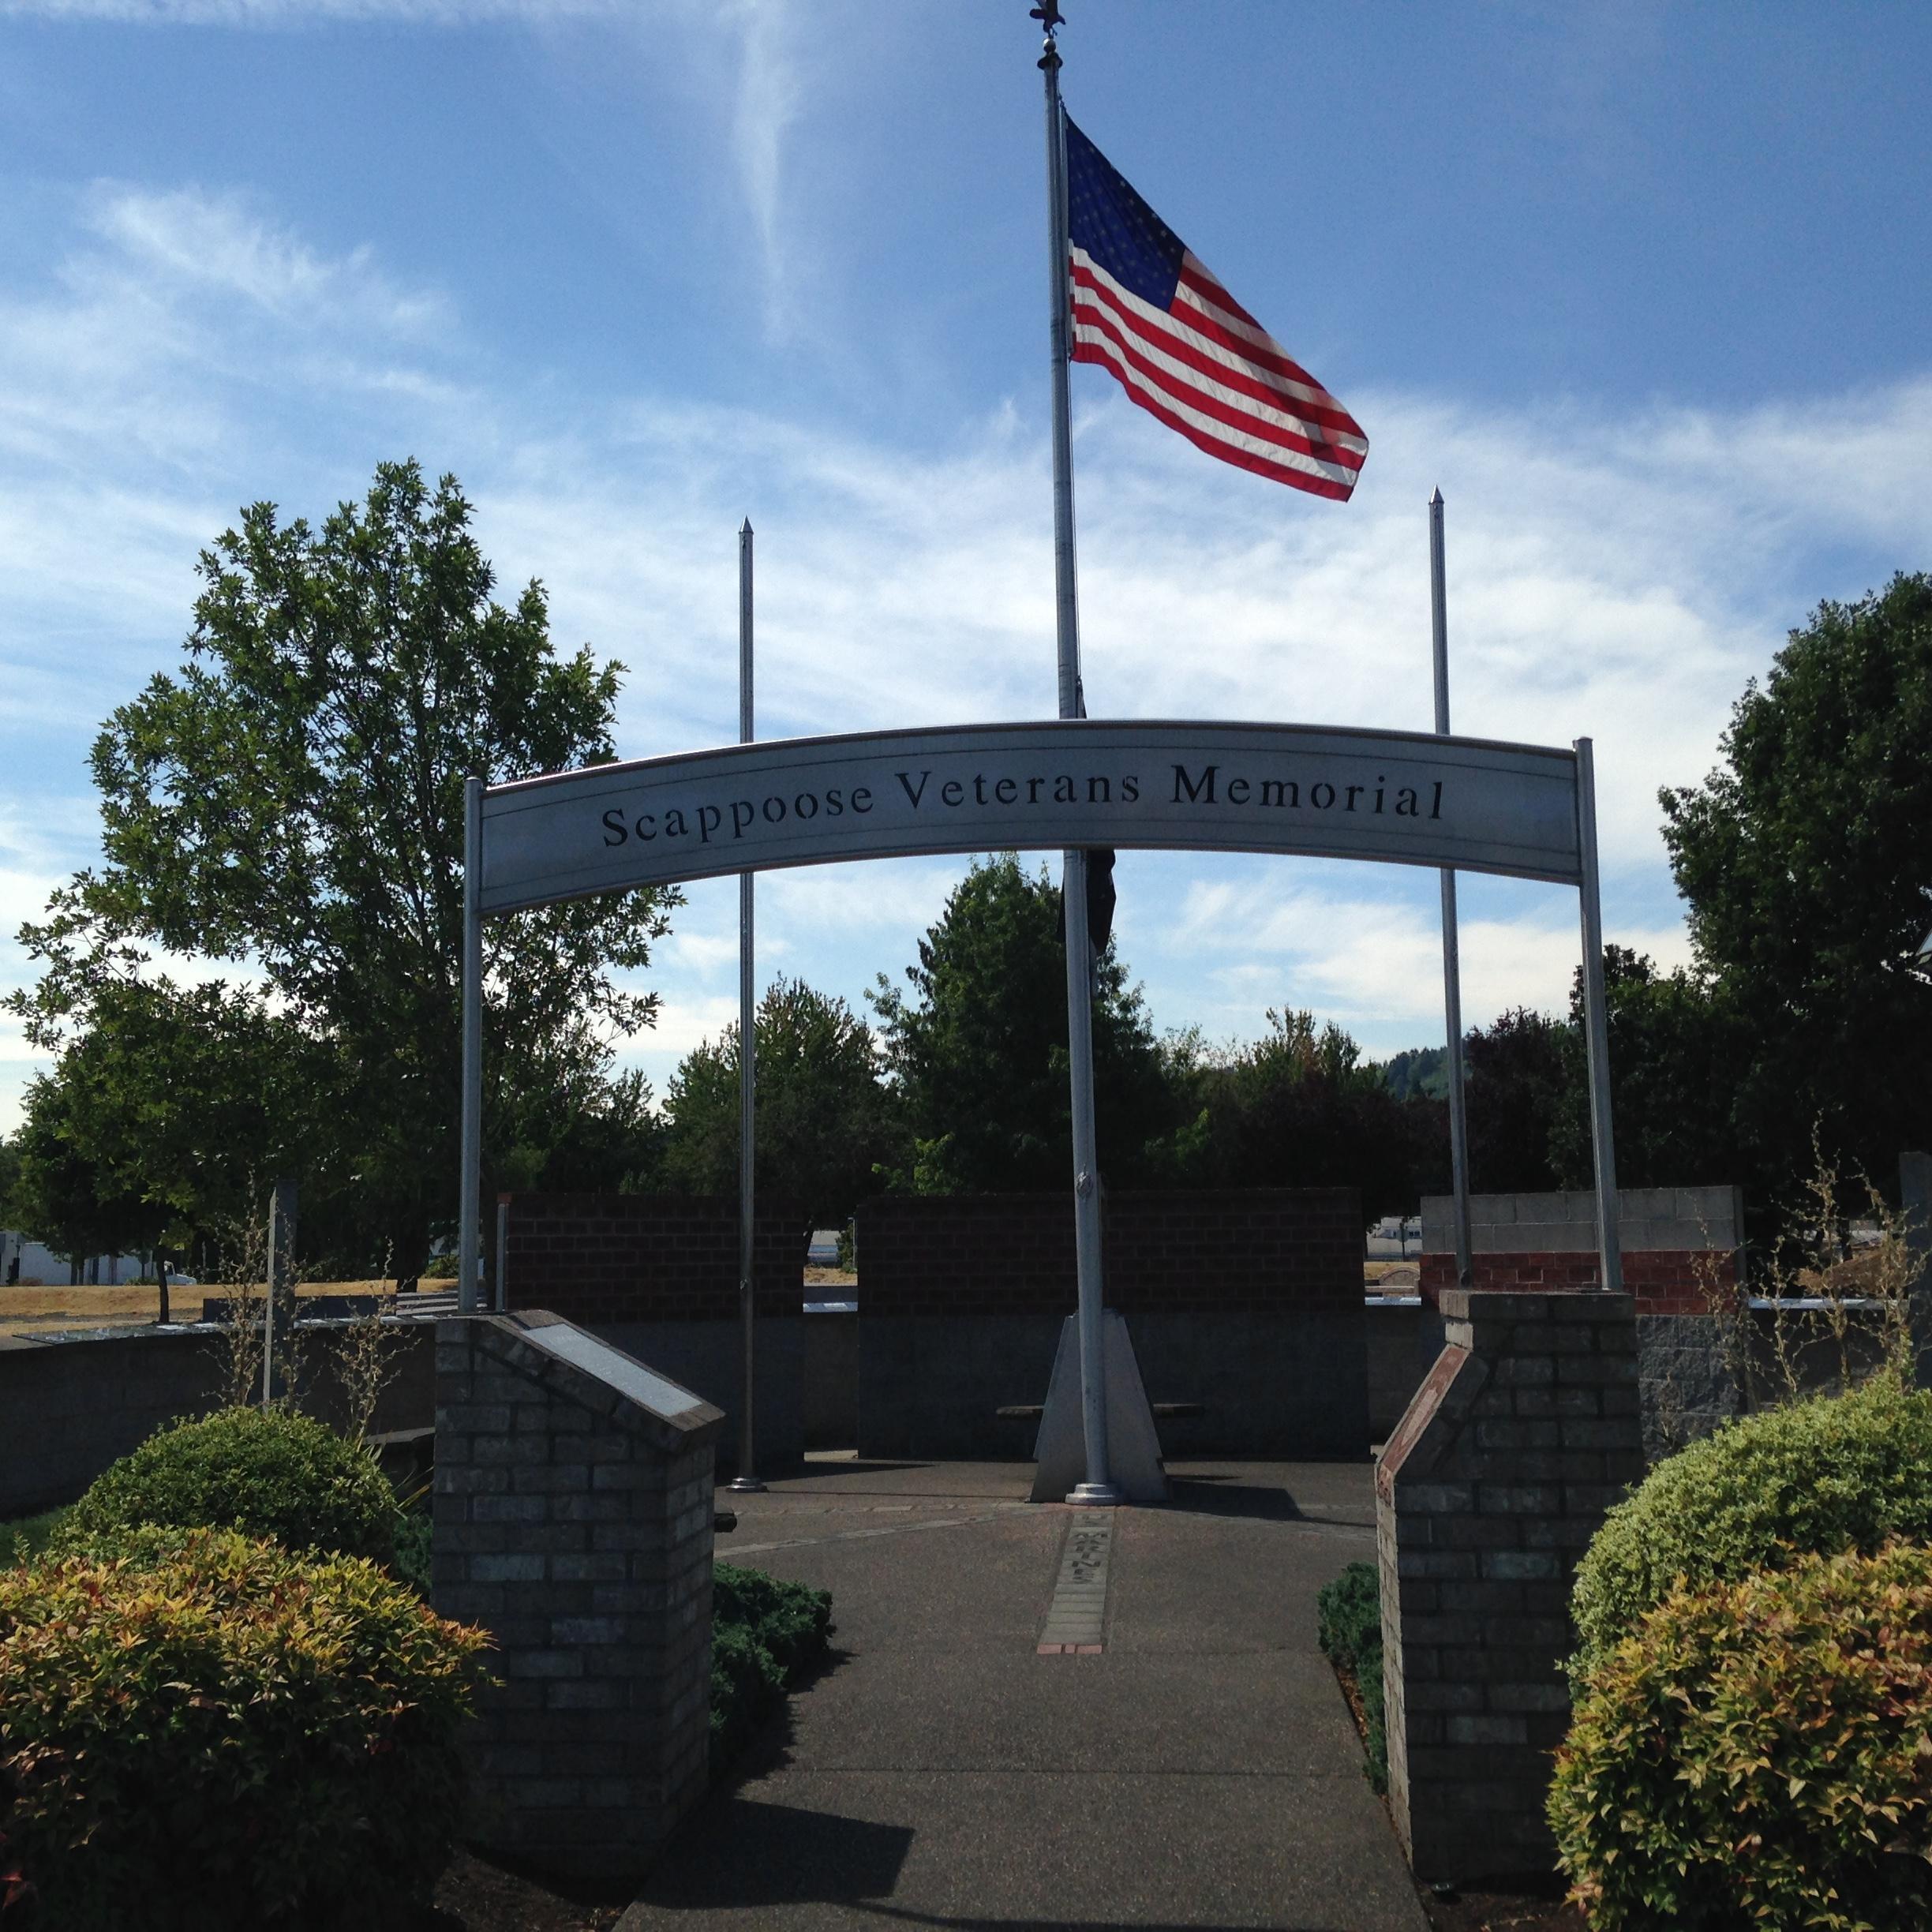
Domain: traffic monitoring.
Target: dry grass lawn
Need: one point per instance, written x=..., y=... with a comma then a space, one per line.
x=24, y=1310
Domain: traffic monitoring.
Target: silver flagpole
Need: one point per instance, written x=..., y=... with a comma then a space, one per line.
x=1097, y=1488
x=1452, y=962
x=747, y=1479
x=470, y=1197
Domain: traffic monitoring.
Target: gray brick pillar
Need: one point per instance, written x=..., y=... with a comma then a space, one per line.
x=1521, y=1435
x=573, y=1520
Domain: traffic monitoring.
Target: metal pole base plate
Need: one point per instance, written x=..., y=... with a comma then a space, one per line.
x=1097, y=1496
x=746, y=1485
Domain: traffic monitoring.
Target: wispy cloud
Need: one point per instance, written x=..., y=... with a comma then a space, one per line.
x=282, y=14
x=1620, y=575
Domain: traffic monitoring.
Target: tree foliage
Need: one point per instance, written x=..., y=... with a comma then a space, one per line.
x=1300, y=1107
x=289, y=804
x=1805, y=858
x=824, y=1117
x=978, y=1054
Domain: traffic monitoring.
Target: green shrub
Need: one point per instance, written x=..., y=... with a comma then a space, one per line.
x=1836, y=1472
x=26, y=1536
x=1349, y=1612
x=766, y=1634
x=265, y=1473
x=213, y=1732
x=414, y=1540
x=1754, y=1754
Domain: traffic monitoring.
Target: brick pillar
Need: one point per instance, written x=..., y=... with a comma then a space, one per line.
x=1521, y=1435
x=573, y=1520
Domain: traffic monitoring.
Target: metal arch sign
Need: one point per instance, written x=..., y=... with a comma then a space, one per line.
x=1411, y=798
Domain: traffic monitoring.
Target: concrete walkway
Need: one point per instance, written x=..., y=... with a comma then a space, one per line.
x=1201, y=1769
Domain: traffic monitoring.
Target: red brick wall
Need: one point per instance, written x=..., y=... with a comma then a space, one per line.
x=597, y=1258
x=1665, y=1281
x=1242, y=1249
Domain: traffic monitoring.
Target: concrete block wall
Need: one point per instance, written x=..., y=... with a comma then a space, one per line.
x=657, y=1274
x=69, y=1409
x=1247, y=1301
x=573, y=1502
x=595, y=1258
x=1232, y=1250
x=1523, y=1434
x=1675, y=1239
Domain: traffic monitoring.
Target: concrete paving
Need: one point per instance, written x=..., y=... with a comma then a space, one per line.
x=1201, y=1770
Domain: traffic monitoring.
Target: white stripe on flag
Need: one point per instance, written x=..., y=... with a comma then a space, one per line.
x=1211, y=427
x=1148, y=327
x=1147, y=318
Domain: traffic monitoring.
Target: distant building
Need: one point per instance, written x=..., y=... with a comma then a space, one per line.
x=27, y=1263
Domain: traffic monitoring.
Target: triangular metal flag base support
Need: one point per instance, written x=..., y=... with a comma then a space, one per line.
x=1134, y=1467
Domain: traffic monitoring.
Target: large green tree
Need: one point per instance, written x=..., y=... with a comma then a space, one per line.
x=1300, y=1107
x=1678, y=1050
x=288, y=805
x=1805, y=858
x=978, y=1055
x=825, y=1119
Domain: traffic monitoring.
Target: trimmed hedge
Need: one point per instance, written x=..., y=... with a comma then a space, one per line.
x=1836, y=1472
x=210, y=1732
x=264, y=1473
x=1755, y=1754
x=766, y=1634
x=1349, y=1630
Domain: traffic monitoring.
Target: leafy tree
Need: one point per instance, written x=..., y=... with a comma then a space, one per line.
x=59, y=1197
x=1417, y=1070
x=1300, y=1107
x=1516, y=1071
x=1805, y=858
x=978, y=1055
x=289, y=803
x=824, y=1116
x=1677, y=1049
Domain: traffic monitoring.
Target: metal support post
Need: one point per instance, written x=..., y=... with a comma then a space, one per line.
x=1595, y=1027
x=1452, y=961
x=503, y=1257
x=279, y=1309
x=747, y=1479
x=469, y=1200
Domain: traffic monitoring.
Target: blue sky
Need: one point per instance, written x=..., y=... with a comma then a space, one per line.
x=1643, y=288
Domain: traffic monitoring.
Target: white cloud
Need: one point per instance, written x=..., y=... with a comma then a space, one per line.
x=289, y=13
x=1374, y=963
x=1621, y=575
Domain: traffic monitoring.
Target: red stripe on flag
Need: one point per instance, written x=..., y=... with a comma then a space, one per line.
x=1289, y=435
x=1228, y=452
x=1173, y=341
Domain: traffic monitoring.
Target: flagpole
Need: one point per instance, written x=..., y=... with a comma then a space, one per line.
x=1097, y=1488
x=1452, y=961
x=747, y=1479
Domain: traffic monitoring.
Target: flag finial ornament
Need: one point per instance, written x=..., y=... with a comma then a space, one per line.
x=1049, y=16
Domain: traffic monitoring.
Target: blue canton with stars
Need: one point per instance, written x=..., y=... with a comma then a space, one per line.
x=1116, y=229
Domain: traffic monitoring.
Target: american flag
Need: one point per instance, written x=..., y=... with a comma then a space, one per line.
x=1184, y=350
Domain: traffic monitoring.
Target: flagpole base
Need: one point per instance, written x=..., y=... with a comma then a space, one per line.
x=1097, y=1495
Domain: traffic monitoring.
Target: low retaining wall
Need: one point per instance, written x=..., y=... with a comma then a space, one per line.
x=1680, y=1247
x=69, y=1409
x=657, y=1276
x=1675, y=1242
x=1247, y=1301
